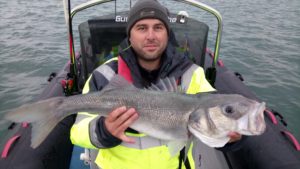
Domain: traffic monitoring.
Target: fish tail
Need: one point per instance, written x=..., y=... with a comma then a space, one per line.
x=44, y=116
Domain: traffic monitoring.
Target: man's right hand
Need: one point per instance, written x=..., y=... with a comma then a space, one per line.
x=119, y=120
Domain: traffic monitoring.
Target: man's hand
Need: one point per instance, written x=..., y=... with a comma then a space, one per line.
x=119, y=120
x=234, y=137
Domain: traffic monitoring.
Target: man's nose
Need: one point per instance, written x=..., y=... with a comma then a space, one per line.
x=150, y=34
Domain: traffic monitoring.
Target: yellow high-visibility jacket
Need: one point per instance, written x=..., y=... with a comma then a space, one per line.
x=147, y=152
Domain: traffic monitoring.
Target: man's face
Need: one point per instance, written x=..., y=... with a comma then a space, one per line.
x=149, y=38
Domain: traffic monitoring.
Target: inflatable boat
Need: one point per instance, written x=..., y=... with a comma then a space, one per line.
x=99, y=38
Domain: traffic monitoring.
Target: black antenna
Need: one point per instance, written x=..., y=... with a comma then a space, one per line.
x=73, y=66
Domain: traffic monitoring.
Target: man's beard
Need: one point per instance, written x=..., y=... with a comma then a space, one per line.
x=149, y=58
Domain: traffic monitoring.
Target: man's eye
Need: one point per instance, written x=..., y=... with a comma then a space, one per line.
x=141, y=28
x=159, y=27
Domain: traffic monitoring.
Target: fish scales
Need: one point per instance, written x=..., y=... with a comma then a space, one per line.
x=157, y=110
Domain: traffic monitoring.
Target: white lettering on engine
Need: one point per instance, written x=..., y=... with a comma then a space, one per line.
x=121, y=18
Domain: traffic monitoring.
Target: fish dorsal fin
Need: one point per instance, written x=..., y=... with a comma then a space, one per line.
x=167, y=84
x=118, y=82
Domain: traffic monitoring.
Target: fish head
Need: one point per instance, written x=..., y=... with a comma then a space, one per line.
x=228, y=113
x=253, y=123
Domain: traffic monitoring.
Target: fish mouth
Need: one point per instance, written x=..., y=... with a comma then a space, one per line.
x=253, y=123
x=258, y=125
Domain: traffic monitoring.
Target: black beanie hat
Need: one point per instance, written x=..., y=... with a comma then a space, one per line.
x=144, y=9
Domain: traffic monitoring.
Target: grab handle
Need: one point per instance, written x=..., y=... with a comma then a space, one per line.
x=8, y=145
x=292, y=139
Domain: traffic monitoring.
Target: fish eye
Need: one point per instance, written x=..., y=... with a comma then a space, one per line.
x=229, y=109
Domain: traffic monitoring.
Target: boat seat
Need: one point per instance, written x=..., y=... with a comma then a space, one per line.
x=100, y=37
x=97, y=39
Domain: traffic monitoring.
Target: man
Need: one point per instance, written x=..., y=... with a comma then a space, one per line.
x=146, y=57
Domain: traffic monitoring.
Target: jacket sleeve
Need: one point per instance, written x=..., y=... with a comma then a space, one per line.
x=89, y=130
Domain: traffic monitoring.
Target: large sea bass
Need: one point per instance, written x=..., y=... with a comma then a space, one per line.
x=168, y=115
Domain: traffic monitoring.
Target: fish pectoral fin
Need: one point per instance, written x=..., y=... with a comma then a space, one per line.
x=175, y=147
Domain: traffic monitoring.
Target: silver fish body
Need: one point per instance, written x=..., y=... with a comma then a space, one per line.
x=164, y=115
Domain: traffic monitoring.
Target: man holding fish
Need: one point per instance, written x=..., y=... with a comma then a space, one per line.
x=145, y=58
x=127, y=126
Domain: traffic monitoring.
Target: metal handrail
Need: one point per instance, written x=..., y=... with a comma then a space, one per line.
x=191, y=2
x=220, y=24
x=87, y=5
